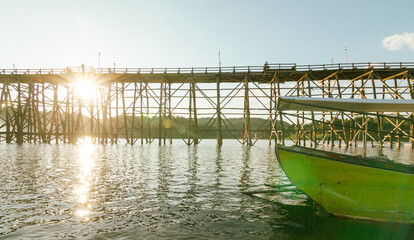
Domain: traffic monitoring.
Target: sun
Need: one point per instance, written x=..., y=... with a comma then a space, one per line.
x=84, y=88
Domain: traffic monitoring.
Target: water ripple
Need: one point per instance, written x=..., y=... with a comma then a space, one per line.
x=152, y=192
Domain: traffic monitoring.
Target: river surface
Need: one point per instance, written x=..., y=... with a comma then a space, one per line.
x=175, y=191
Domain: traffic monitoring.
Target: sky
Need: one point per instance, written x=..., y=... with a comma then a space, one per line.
x=181, y=33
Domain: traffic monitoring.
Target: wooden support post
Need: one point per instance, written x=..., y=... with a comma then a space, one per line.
x=246, y=116
x=29, y=106
x=282, y=129
x=36, y=112
x=346, y=141
x=141, y=89
x=19, y=117
x=411, y=136
x=219, y=133
x=134, y=100
x=104, y=110
x=65, y=125
x=117, y=113
x=98, y=105
x=8, y=109
x=148, y=113
x=124, y=112
x=398, y=115
x=271, y=130
x=379, y=122
x=195, y=122
x=102, y=106
x=323, y=115
x=70, y=113
x=275, y=114
x=313, y=132
x=190, y=119
x=411, y=131
x=298, y=129
x=92, y=116
x=169, y=112
x=74, y=128
x=2, y=102
x=35, y=107
x=164, y=128
x=160, y=110
x=382, y=119
x=110, y=118
x=303, y=113
x=331, y=117
x=55, y=112
x=49, y=126
x=397, y=132
x=365, y=133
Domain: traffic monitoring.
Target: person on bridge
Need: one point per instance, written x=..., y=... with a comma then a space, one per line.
x=265, y=66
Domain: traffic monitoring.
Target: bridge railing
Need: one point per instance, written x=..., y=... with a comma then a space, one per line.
x=352, y=66
x=216, y=70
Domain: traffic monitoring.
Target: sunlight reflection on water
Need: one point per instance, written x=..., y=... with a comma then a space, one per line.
x=86, y=164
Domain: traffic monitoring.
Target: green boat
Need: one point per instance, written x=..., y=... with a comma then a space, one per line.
x=351, y=186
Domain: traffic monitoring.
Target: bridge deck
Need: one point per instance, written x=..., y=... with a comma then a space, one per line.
x=261, y=74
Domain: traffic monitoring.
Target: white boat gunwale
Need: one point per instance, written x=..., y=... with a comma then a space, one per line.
x=350, y=159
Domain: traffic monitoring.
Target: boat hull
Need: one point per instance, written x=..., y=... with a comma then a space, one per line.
x=349, y=189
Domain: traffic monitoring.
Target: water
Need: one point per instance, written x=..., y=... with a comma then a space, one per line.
x=171, y=192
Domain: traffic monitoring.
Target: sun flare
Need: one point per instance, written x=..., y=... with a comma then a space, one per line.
x=84, y=88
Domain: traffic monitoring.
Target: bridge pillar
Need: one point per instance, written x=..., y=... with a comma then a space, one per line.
x=218, y=110
x=19, y=115
x=160, y=114
x=195, y=122
x=246, y=115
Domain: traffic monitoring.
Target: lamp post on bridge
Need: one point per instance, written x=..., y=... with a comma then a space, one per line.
x=99, y=61
x=346, y=55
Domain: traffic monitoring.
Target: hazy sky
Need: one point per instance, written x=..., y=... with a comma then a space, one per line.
x=190, y=33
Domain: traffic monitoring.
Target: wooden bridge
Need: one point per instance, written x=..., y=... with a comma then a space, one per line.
x=140, y=105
